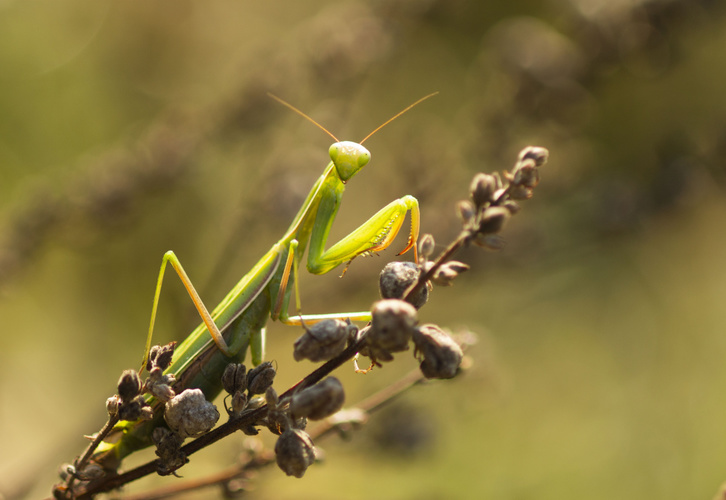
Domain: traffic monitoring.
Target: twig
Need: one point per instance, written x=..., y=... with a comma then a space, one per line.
x=80, y=464
x=267, y=457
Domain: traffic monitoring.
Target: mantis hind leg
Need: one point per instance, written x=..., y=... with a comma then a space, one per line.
x=171, y=258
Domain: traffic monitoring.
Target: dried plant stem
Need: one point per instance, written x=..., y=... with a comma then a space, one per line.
x=80, y=464
x=259, y=460
x=267, y=457
x=455, y=245
x=233, y=425
x=229, y=427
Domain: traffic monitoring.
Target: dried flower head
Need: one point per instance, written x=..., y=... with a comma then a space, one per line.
x=538, y=154
x=234, y=378
x=168, y=449
x=526, y=174
x=318, y=401
x=425, y=247
x=260, y=378
x=445, y=275
x=112, y=405
x=489, y=241
x=482, y=189
x=441, y=354
x=90, y=472
x=466, y=211
x=190, y=414
x=234, y=382
x=129, y=385
x=160, y=356
x=512, y=206
x=294, y=452
x=324, y=340
x=493, y=220
x=239, y=403
x=160, y=385
x=135, y=409
x=392, y=326
x=397, y=277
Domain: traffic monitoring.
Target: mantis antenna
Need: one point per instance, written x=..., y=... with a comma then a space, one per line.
x=397, y=115
x=288, y=105
x=293, y=108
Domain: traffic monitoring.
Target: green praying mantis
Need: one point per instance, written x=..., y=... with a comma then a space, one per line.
x=238, y=322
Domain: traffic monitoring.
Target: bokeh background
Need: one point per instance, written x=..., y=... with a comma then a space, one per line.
x=130, y=128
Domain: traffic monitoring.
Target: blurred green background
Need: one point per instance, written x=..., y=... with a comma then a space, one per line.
x=131, y=128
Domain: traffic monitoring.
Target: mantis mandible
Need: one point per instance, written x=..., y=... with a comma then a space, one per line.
x=264, y=292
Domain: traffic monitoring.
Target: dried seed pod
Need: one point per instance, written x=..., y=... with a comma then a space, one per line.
x=90, y=472
x=448, y=271
x=493, y=220
x=160, y=356
x=397, y=277
x=294, y=452
x=164, y=356
x=324, y=340
x=538, y=154
x=426, y=246
x=132, y=410
x=190, y=414
x=466, y=211
x=129, y=385
x=498, y=185
x=260, y=378
x=318, y=401
x=112, y=405
x=153, y=352
x=160, y=385
x=482, y=189
x=239, y=403
x=519, y=192
x=489, y=241
x=271, y=397
x=163, y=392
x=441, y=354
x=168, y=449
x=512, y=206
x=526, y=174
x=392, y=325
x=147, y=413
x=234, y=378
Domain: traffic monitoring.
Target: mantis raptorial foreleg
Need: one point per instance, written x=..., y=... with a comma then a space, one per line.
x=374, y=235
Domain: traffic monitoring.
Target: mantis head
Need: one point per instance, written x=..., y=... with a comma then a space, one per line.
x=348, y=157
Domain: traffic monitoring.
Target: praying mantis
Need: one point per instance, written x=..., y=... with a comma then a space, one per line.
x=238, y=322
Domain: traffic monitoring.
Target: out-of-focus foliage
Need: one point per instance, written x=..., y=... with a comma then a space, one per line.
x=129, y=128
